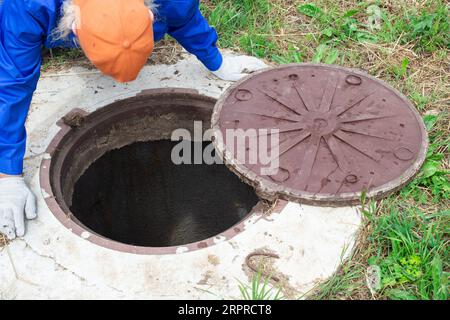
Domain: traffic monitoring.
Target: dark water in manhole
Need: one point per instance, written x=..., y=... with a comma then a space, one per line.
x=136, y=195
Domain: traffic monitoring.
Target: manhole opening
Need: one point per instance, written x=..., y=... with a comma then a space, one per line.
x=112, y=174
x=137, y=195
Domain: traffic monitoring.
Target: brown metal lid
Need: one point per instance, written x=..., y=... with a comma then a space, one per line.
x=341, y=133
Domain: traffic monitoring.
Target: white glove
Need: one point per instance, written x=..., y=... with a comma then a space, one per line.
x=16, y=202
x=235, y=68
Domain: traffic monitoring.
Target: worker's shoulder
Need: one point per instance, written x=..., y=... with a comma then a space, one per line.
x=44, y=12
x=36, y=8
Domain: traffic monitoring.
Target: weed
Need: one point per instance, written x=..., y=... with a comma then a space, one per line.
x=259, y=289
x=292, y=55
x=432, y=177
x=325, y=54
x=429, y=30
x=339, y=27
x=401, y=70
x=408, y=244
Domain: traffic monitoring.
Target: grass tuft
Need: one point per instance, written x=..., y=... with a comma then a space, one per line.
x=260, y=289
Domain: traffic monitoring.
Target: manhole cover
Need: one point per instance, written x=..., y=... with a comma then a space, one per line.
x=341, y=132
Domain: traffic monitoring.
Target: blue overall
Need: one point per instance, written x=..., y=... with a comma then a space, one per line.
x=27, y=25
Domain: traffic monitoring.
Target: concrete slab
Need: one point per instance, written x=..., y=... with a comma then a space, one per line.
x=52, y=262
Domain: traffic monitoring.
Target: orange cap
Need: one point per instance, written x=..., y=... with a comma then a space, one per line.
x=116, y=35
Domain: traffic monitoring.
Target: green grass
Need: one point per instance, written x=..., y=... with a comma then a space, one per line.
x=408, y=250
x=411, y=250
x=260, y=289
x=432, y=184
x=267, y=28
x=245, y=24
x=342, y=284
x=428, y=28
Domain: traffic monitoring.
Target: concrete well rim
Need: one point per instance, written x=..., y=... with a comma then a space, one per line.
x=61, y=212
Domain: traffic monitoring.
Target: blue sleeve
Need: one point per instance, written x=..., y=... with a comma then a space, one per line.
x=21, y=38
x=188, y=26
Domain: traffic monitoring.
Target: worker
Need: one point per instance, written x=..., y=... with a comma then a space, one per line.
x=117, y=36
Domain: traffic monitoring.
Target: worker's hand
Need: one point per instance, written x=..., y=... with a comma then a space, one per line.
x=16, y=203
x=235, y=68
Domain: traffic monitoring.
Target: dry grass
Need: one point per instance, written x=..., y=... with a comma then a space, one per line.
x=3, y=241
x=167, y=51
x=429, y=74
